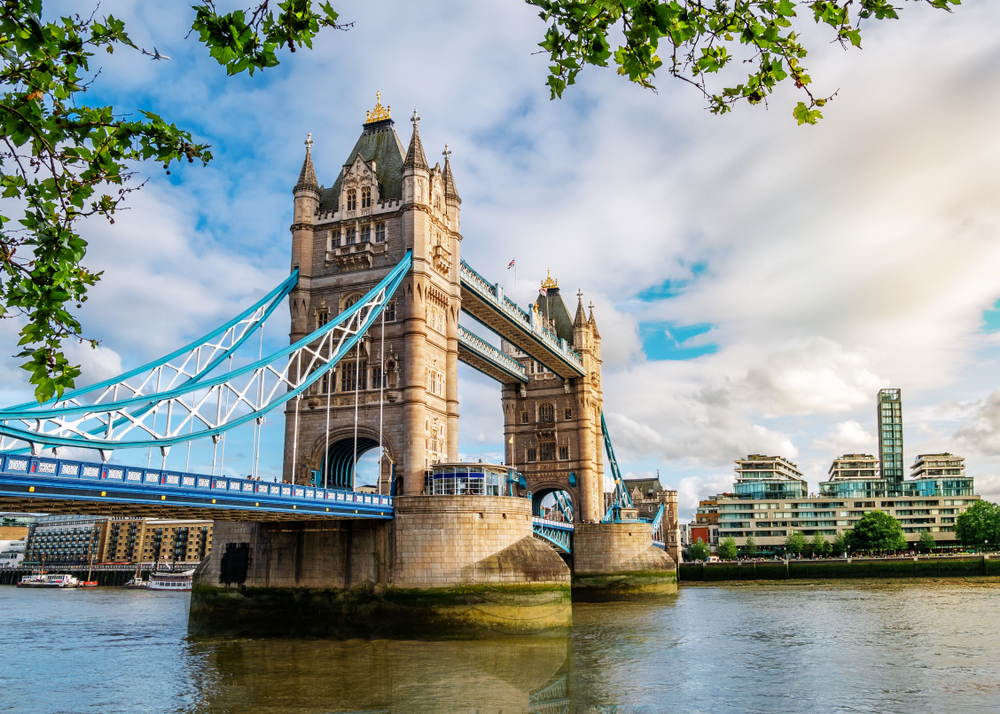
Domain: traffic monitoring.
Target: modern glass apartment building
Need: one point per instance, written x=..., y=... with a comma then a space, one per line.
x=890, y=433
x=759, y=476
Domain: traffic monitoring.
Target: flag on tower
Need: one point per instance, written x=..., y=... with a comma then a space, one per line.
x=543, y=292
x=510, y=265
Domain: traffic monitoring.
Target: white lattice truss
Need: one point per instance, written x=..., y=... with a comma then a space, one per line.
x=200, y=407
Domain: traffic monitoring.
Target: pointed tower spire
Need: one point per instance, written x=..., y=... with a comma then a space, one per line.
x=592, y=322
x=415, y=158
x=450, y=192
x=307, y=177
x=581, y=318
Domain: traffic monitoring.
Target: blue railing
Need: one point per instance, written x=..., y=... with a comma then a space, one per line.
x=133, y=477
x=490, y=292
x=492, y=355
x=557, y=533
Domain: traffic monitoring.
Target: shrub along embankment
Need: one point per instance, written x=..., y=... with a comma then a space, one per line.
x=908, y=567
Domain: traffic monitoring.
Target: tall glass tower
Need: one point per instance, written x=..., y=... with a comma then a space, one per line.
x=890, y=434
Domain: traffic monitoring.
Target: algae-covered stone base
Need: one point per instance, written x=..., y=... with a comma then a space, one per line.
x=637, y=585
x=464, y=612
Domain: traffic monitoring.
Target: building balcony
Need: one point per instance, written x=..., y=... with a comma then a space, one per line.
x=355, y=256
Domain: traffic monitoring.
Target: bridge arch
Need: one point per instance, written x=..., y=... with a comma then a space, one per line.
x=339, y=462
x=557, y=496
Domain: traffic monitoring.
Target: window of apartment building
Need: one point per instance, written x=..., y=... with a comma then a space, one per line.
x=564, y=453
x=366, y=234
x=352, y=200
x=547, y=451
x=380, y=233
x=366, y=197
x=532, y=454
x=546, y=412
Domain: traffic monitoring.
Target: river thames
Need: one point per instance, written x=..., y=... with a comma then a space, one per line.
x=910, y=646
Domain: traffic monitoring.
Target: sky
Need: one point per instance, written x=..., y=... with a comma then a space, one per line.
x=755, y=282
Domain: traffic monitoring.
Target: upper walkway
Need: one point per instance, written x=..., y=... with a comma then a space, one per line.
x=487, y=304
x=56, y=486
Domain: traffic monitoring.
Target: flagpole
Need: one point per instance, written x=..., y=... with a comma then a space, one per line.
x=515, y=283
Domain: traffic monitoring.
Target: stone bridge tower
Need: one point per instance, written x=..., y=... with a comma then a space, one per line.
x=345, y=239
x=552, y=426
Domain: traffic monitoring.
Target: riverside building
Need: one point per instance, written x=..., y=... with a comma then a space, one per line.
x=928, y=502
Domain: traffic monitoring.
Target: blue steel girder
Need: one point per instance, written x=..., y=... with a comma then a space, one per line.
x=184, y=366
x=63, y=486
x=555, y=533
x=488, y=305
x=480, y=355
x=195, y=411
x=620, y=497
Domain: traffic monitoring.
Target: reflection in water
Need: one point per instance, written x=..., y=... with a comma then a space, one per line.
x=490, y=677
x=916, y=646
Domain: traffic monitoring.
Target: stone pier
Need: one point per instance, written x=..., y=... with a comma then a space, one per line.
x=446, y=567
x=617, y=561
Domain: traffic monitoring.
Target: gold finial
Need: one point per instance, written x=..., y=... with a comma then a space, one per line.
x=379, y=112
x=550, y=282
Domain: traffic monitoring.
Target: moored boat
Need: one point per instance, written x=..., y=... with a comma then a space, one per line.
x=48, y=580
x=136, y=583
x=160, y=580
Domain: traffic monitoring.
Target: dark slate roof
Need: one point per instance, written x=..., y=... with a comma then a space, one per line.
x=560, y=315
x=378, y=141
x=645, y=485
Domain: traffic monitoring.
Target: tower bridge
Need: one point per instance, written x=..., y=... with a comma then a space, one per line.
x=376, y=291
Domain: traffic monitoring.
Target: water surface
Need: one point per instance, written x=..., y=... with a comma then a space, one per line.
x=916, y=646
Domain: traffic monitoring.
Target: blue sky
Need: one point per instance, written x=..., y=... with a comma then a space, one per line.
x=755, y=283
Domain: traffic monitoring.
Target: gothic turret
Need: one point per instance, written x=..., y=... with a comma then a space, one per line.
x=450, y=192
x=415, y=158
x=307, y=196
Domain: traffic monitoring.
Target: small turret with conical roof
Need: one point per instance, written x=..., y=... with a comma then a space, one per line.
x=416, y=175
x=307, y=194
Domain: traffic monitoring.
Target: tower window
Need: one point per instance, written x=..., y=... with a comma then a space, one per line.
x=390, y=311
x=532, y=454
x=352, y=200
x=380, y=233
x=334, y=239
x=548, y=451
x=568, y=415
x=322, y=317
x=546, y=412
x=366, y=197
x=563, y=453
x=524, y=417
x=366, y=234
x=351, y=236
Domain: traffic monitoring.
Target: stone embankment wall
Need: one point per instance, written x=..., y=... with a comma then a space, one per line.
x=615, y=561
x=909, y=567
x=447, y=566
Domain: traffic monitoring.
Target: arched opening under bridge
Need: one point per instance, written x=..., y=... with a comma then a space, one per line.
x=342, y=471
x=553, y=503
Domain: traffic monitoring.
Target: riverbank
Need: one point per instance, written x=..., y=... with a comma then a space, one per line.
x=921, y=566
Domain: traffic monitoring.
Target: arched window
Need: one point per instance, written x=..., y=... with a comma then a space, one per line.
x=366, y=197
x=351, y=301
x=546, y=412
x=352, y=200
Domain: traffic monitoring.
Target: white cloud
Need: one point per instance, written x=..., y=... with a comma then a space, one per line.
x=847, y=437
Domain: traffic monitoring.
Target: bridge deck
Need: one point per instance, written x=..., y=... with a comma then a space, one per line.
x=479, y=354
x=61, y=486
x=487, y=304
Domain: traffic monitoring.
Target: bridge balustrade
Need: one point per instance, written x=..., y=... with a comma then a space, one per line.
x=141, y=478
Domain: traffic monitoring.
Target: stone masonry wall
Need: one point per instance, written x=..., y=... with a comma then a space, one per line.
x=616, y=548
x=442, y=541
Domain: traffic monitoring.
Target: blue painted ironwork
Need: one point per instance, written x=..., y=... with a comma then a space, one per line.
x=656, y=527
x=491, y=355
x=184, y=366
x=564, y=505
x=23, y=476
x=556, y=350
x=620, y=498
x=556, y=533
x=251, y=391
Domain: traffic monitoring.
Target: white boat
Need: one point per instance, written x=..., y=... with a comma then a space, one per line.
x=160, y=580
x=136, y=583
x=48, y=580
